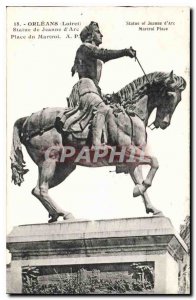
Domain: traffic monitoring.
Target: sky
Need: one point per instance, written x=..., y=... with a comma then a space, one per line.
x=38, y=75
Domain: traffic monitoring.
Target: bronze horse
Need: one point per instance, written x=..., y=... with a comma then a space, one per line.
x=132, y=107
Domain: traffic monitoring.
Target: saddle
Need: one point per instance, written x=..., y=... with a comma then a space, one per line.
x=35, y=124
x=77, y=123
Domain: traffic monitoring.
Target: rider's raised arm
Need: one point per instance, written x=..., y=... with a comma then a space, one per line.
x=104, y=54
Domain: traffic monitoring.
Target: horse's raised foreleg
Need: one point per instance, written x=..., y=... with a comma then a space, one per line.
x=153, y=162
x=136, y=175
x=46, y=175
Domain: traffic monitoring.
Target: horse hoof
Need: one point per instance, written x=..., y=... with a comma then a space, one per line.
x=65, y=216
x=158, y=214
x=155, y=212
x=149, y=210
x=53, y=219
x=137, y=191
x=69, y=216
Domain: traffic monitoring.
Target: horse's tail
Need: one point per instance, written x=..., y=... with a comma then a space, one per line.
x=17, y=161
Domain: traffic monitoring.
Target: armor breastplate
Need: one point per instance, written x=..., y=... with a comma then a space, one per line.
x=89, y=58
x=87, y=67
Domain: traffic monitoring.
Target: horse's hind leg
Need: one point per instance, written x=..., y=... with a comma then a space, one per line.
x=136, y=175
x=46, y=173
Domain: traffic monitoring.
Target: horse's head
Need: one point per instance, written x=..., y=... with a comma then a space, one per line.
x=170, y=92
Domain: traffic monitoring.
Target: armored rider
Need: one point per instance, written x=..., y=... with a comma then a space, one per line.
x=88, y=64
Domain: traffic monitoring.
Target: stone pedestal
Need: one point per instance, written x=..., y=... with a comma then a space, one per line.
x=102, y=243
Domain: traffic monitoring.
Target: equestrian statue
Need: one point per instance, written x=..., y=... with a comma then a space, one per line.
x=94, y=124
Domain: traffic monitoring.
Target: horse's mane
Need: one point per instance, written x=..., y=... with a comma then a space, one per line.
x=129, y=92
